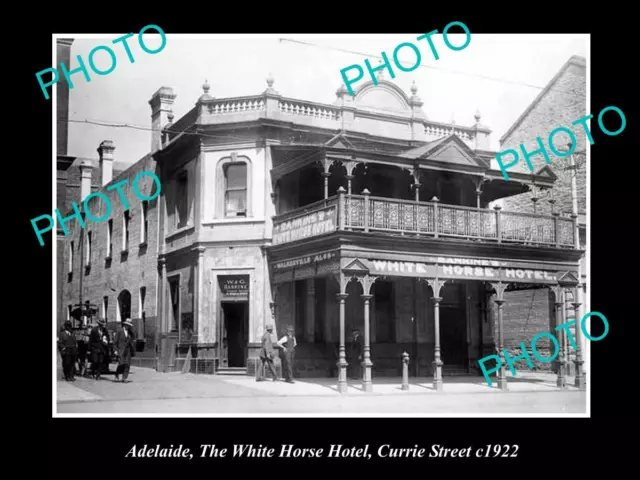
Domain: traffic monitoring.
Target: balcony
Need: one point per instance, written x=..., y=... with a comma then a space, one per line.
x=366, y=213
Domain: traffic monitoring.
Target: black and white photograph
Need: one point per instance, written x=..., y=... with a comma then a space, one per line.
x=321, y=225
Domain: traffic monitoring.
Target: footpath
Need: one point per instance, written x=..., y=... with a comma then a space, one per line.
x=147, y=384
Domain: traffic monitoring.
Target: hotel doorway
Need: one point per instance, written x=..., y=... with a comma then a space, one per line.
x=236, y=332
x=453, y=327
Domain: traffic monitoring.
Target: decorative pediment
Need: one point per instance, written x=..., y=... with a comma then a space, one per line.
x=547, y=172
x=356, y=267
x=339, y=141
x=568, y=278
x=386, y=96
x=452, y=150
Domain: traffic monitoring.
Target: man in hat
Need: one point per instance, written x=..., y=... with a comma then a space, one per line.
x=124, y=349
x=288, y=344
x=83, y=350
x=98, y=346
x=267, y=354
x=68, y=346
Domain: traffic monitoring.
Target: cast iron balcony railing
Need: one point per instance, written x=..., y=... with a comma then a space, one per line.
x=366, y=213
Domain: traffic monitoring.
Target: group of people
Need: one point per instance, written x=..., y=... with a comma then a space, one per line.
x=94, y=344
x=285, y=349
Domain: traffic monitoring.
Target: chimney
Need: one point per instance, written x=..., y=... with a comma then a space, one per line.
x=85, y=179
x=161, y=107
x=105, y=150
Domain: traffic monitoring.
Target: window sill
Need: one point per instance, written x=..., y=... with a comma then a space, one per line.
x=179, y=232
x=233, y=220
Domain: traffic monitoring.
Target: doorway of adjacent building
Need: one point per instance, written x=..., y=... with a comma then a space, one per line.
x=236, y=327
x=453, y=327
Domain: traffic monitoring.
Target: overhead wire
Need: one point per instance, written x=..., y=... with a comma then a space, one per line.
x=148, y=129
x=484, y=77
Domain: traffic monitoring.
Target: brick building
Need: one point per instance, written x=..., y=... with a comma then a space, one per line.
x=360, y=213
x=63, y=161
x=562, y=101
x=112, y=263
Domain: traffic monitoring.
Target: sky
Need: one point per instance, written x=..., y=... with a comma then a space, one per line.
x=498, y=75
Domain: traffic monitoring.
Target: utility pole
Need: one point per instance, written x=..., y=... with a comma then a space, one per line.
x=82, y=266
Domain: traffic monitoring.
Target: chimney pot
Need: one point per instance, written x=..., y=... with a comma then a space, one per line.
x=105, y=150
x=85, y=178
x=161, y=107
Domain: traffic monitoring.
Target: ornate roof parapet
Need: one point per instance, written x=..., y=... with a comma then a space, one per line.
x=383, y=110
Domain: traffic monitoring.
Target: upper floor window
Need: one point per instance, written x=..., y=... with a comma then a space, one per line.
x=89, y=246
x=109, y=238
x=126, y=218
x=70, y=257
x=235, y=190
x=144, y=223
x=182, y=199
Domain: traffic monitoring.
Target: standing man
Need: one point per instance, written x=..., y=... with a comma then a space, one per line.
x=124, y=349
x=98, y=341
x=355, y=354
x=83, y=350
x=267, y=354
x=288, y=343
x=68, y=346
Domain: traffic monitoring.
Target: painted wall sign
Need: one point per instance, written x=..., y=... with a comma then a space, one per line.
x=304, y=261
x=234, y=285
x=413, y=269
x=467, y=261
x=305, y=226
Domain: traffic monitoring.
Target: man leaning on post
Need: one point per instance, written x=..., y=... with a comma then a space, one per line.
x=267, y=354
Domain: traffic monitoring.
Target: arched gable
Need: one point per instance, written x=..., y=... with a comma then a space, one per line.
x=384, y=96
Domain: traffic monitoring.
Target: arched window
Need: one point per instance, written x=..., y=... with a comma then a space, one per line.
x=235, y=189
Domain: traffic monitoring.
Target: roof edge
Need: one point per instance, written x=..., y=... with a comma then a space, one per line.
x=576, y=60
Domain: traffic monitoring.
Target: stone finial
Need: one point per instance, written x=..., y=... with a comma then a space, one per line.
x=270, y=81
x=170, y=116
x=205, y=95
x=414, y=88
x=477, y=116
x=341, y=91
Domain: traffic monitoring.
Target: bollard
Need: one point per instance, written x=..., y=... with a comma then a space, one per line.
x=405, y=371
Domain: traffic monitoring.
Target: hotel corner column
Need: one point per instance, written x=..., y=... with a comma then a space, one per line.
x=436, y=285
x=502, y=373
x=367, y=363
x=342, y=358
x=562, y=381
x=581, y=380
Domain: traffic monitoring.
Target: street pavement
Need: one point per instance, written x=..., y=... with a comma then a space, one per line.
x=176, y=393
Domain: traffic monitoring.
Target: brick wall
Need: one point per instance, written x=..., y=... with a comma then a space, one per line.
x=131, y=271
x=529, y=312
x=526, y=314
x=558, y=107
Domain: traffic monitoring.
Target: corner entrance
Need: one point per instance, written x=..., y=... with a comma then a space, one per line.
x=236, y=328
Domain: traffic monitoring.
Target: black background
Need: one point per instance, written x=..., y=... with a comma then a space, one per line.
x=96, y=447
